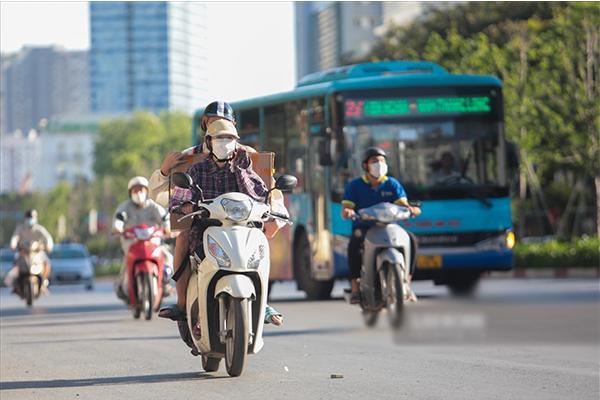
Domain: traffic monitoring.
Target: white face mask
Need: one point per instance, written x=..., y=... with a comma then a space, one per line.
x=378, y=169
x=139, y=198
x=223, y=148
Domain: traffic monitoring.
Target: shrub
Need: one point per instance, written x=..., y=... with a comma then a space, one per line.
x=580, y=252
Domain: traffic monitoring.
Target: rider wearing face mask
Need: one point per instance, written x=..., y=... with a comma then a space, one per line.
x=28, y=232
x=139, y=209
x=372, y=188
x=227, y=168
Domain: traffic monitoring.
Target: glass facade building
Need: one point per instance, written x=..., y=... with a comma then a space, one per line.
x=147, y=56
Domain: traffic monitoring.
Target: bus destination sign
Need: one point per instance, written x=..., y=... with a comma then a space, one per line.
x=373, y=108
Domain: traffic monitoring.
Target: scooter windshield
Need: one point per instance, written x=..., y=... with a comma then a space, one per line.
x=385, y=212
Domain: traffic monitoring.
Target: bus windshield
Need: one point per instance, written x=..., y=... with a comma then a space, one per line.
x=445, y=155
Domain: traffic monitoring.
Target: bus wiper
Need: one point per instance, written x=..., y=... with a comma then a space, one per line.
x=479, y=196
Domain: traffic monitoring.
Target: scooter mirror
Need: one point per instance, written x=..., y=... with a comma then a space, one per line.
x=285, y=183
x=182, y=180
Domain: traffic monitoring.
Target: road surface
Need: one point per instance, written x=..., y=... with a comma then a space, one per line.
x=517, y=339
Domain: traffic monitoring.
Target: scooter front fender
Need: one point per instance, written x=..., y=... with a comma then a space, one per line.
x=392, y=256
x=237, y=286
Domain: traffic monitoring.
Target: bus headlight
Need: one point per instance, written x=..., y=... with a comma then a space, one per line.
x=217, y=252
x=510, y=239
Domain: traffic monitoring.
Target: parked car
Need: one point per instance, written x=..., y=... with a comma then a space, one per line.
x=7, y=259
x=72, y=263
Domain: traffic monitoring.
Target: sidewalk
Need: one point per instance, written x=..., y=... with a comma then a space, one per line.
x=547, y=273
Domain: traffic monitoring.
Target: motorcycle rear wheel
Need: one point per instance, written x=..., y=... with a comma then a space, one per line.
x=236, y=344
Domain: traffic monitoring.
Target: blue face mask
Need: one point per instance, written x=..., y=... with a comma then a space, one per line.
x=30, y=221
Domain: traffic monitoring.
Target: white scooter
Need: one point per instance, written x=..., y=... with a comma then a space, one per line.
x=227, y=290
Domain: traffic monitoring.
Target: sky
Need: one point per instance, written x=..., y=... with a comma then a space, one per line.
x=258, y=59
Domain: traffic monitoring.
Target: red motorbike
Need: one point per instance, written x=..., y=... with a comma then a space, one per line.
x=145, y=267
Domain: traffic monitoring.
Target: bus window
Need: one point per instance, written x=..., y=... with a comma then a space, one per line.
x=296, y=123
x=249, y=129
x=274, y=130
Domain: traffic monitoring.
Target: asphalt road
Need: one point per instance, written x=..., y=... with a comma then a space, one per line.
x=517, y=339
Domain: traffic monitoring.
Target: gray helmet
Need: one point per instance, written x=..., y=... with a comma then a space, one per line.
x=372, y=152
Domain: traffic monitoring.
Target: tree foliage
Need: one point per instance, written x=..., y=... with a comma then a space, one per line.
x=547, y=55
x=125, y=147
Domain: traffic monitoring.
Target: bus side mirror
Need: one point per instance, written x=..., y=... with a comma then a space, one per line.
x=512, y=156
x=325, y=153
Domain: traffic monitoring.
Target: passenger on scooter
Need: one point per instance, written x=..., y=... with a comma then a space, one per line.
x=227, y=169
x=372, y=188
x=139, y=209
x=25, y=234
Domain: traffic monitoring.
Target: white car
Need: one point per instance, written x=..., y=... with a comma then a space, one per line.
x=72, y=263
x=7, y=260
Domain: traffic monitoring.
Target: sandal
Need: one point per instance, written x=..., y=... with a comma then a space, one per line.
x=172, y=312
x=355, y=298
x=270, y=312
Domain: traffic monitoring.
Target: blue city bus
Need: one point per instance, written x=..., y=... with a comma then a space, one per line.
x=443, y=134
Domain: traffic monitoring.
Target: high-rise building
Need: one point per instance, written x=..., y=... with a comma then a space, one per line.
x=330, y=34
x=148, y=55
x=41, y=82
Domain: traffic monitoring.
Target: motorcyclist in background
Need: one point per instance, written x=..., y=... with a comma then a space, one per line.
x=372, y=188
x=25, y=234
x=139, y=209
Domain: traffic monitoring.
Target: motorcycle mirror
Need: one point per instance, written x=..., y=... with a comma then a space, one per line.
x=285, y=183
x=121, y=216
x=182, y=180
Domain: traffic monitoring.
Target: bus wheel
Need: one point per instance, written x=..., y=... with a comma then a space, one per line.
x=464, y=283
x=314, y=289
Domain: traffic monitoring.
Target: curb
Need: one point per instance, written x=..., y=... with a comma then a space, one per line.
x=548, y=273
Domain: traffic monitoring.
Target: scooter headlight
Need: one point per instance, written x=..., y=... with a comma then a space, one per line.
x=143, y=233
x=217, y=252
x=259, y=254
x=36, y=269
x=237, y=210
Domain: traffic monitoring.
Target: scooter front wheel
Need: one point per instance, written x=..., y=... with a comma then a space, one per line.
x=28, y=288
x=394, y=300
x=370, y=317
x=236, y=344
x=147, y=295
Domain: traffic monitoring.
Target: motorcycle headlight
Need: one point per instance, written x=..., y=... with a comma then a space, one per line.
x=237, y=210
x=36, y=269
x=143, y=234
x=259, y=254
x=217, y=252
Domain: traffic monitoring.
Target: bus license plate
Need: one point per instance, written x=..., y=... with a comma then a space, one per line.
x=429, y=262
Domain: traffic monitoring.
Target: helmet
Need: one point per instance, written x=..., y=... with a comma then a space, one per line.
x=372, y=152
x=137, y=181
x=218, y=109
x=32, y=213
